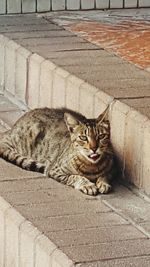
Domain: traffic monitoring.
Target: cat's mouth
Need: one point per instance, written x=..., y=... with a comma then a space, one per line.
x=94, y=156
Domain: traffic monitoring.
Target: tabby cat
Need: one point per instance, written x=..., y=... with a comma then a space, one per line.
x=63, y=145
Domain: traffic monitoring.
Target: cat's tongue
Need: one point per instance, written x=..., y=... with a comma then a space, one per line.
x=94, y=156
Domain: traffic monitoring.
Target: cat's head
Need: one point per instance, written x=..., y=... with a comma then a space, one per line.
x=91, y=137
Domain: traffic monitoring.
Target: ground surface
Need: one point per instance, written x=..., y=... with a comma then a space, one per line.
x=107, y=230
x=125, y=32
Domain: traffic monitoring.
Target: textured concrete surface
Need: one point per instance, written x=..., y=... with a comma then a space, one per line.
x=87, y=60
x=55, y=225
x=125, y=33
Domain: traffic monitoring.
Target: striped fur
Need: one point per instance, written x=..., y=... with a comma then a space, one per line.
x=63, y=145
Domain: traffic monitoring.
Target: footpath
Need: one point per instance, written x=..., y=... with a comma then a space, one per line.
x=47, y=60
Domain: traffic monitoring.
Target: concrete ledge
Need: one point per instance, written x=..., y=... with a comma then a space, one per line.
x=3, y=42
x=24, y=245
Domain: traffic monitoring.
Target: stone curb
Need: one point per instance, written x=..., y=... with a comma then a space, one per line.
x=24, y=245
x=18, y=7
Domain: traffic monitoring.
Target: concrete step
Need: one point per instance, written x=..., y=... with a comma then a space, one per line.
x=55, y=68
x=44, y=223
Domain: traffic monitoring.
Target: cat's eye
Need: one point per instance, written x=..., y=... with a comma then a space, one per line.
x=83, y=137
x=102, y=136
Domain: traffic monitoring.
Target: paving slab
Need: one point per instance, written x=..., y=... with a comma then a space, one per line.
x=10, y=172
x=105, y=251
x=32, y=42
x=79, y=222
x=131, y=261
x=45, y=51
x=28, y=185
x=93, y=236
x=37, y=34
x=61, y=209
x=121, y=71
x=131, y=206
x=28, y=19
x=41, y=196
x=141, y=104
x=28, y=28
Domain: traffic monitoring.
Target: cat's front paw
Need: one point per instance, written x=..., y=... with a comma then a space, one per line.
x=89, y=189
x=103, y=187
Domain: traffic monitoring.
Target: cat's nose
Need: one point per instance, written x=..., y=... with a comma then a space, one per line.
x=93, y=144
x=94, y=149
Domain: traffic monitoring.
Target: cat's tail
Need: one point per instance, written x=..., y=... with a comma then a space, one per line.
x=11, y=155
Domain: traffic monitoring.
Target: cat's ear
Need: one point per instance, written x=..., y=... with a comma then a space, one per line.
x=103, y=117
x=71, y=122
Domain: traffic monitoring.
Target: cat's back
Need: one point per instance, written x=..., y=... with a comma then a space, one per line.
x=46, y=116
x=42, y=129
x=41, y=115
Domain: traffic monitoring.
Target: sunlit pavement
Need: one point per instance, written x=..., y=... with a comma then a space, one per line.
x=123, y=32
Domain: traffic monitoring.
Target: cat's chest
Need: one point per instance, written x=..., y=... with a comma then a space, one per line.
x=80, y=167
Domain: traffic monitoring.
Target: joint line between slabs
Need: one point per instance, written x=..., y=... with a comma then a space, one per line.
x=127, y=218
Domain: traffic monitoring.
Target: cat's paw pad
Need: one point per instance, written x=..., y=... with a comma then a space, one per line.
x=89, y=189
x=103, y=187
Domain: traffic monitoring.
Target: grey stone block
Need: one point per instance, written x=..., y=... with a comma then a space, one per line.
x=73, y=4
x=43, y=5
x=87, y=4
x=3, y=7
x=58, y=5
x=14, y=6
x=100, y=4
x=116, y=3
x=144, y=3
x=130, y=3
x=28, y=6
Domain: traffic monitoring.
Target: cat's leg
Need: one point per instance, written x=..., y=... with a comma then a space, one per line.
x=103, y=185
x=77, y=181
x=83, y=184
